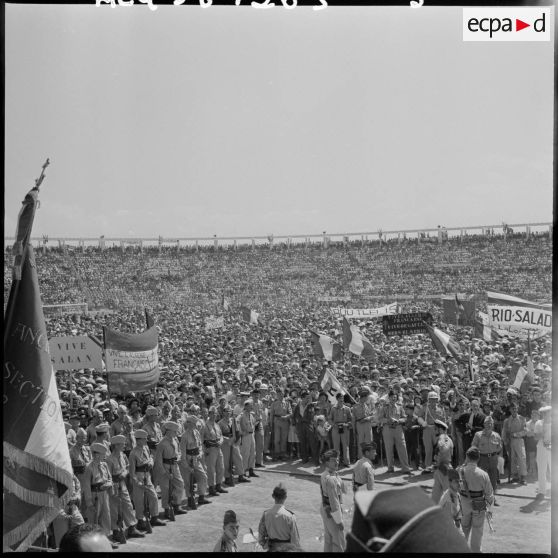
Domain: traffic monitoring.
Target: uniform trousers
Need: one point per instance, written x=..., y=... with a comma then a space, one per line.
x=199, y=473
x=490, y=465
x=237, y=466
x=472, y=524
x=395, y=437
x=341, y=440
x=308, y=442
x=99, y=512
x=259, y=440
x=518, y=457
x=441, y=484
x=177, y=487
x=142, y=492
x=248, y=451
x=543, y=464
x=334, y=537
x=121, y=505
x=364, y=434
x=280, y=435
x=429, y=441
x=215, y=466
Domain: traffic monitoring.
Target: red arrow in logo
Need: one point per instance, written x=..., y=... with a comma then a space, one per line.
x=519, y=25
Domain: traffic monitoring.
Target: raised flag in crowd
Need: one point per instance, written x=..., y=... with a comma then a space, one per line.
x=484, y=331
x=132, y=360
x=225, y=303
x=331, y=386
x=325, y=347
x=250, y=316
x=37, y=467
x=513, y=312
x=356, y=342
x=444, y=344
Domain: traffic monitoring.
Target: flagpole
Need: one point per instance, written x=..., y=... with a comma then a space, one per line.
x=108, y=381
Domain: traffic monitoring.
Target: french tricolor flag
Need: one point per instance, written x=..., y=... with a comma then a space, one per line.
x=356, y=342
x=443, y=343
x=250, y=316
x=325, y=347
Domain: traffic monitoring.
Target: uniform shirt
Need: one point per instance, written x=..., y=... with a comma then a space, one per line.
x=444, y=446
x=212, y=432
x=340, y=415
x=332, y=488
x=477, y=481
x=246, y=423
x=258, y=409
x=451, y=503
x=95, y=473
x=154, y=433
x=542, y=432
x=118, y=466
x=140, y=456
x=363, y=473
x=513, y=426
x=390, y=412
x=228, y=428
x=191, y=439
x=280, y=524
x=429, y=414
x=280, y=409
x=80, y=455
x=362, y=412
x=224, y=544
x=491, y=443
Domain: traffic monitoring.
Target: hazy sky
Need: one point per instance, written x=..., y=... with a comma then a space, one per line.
x=234, y=121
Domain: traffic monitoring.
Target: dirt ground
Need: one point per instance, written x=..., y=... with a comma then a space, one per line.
x=521, y=524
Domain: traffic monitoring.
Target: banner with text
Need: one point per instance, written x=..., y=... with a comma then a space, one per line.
x=509, y=311
x=363, y=313
x=75, y=352
x=406, y=324
x=211, y=322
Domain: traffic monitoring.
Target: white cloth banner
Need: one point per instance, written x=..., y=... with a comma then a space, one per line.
x=214, y=323
x=387, y=310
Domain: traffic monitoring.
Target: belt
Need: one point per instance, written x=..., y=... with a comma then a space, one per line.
x=78, y=469
x=358, y=483
x=143, y=469
x=171, y=461
x=195, y=451
x=272, y=541
x=488, y=454
x=472, y=494
x=118, y=478
x=98, y=487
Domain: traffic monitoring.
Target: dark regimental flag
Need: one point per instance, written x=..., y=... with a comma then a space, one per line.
x=443, y=343
x=459, y=310
x=132, y=360
x=325, y=347
x=356, y=342
x=250, y=316
x=37, y=466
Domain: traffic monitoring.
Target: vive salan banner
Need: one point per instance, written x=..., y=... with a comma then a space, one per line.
x=362, y=313
x=506, y=311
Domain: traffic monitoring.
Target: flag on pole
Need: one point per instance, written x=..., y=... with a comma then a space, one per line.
x=150, y=322
x=132, y=360
x=37, y=467
x=356, y=342
x=325, y=347
x=250, y=316
x=484, y=331
x=458, y=305
x=331, y=386
x=225, y=303
x=443, y=343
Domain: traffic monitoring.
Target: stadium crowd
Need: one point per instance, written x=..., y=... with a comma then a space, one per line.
x=230, y=400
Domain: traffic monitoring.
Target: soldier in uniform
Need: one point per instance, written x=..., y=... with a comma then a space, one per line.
x=427, y=416
x=277, y=526
x=303, y=416
x=443, y=453
x=191, y=464
x=97, y=481
x=340, y=418
x=544, y=445
x=332, y=488
x=141, y=464
x=213, y=440
x=117, y=426
x=363, y=412
x=227, y=541
x=152, y=427
x=231, y=439
x=102, y=431
x=392, y=417
x=80, y=456
x=363, y=472
x=489, y=444
x=451, y=498
x=166, y=472
x=280, y=415
x=96, y=419
x=258, y=408
x=246, y=425
x=513, y=434
x=476, y=497
x=121, y=509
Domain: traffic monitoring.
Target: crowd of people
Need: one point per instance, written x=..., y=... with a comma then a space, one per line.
x=231, y=400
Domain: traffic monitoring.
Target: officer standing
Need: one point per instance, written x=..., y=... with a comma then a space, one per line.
x=443, y=452
x=213, y=440
x=166, y=472
x=191, y=464
x=123, y=519
x=141, y=465
x=544, y=449
x=102, y=431
x=476, y=497
x=490, y=447
x=277, y=526
x=340, y=418
x=97, y=481
x=246, y=425
x=363, y=472
x=363, y=413
x=258, y=408
x=332, y=488
x=232, y=460
x=280, y=415
x=392, y=417
x=81, y=456
x=513, y=434
x=427, y=416
x=152, y=427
